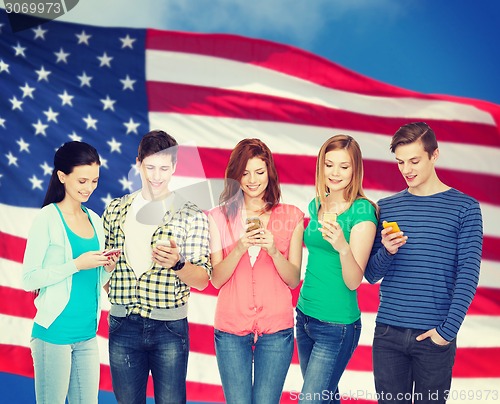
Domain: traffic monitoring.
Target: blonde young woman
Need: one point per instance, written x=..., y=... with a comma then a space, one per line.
x=339, y=238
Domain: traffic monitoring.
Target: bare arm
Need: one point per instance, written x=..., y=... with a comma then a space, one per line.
x=354, y=255
x=288, y=269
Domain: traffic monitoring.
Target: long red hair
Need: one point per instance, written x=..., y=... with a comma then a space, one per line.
x=231, y=198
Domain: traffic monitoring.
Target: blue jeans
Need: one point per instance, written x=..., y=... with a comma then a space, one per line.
x=271, y=355
x=324, y=351
x=400, y=363
x=138, y=345
x=66, y=370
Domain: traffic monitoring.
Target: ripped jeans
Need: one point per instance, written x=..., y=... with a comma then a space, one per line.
x=139, y=345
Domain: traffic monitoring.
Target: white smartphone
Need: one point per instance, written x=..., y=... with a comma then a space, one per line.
x=112, y=251
x=163, y=242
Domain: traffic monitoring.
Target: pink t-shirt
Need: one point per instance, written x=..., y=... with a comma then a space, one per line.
x=255, y=299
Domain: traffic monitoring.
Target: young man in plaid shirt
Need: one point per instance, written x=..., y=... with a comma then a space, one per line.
x=165, y=251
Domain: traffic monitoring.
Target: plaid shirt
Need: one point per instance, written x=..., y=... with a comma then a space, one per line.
x=159, y=287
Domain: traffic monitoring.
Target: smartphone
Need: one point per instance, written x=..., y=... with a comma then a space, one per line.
x=253, y=223
x=112, y=251
x=164, y=242
x=394, y=225
x=330, y=217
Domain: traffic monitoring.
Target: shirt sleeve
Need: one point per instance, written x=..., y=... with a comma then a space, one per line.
x=197, y=248
x=469, y=249
x=380, y=259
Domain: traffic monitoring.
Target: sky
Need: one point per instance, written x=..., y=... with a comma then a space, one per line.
x=436, y=47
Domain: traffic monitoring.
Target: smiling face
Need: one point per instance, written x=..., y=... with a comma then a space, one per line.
x=156, y=172
x=81, y=182
x=416, y=166
x=338, y=170
x=255, y=178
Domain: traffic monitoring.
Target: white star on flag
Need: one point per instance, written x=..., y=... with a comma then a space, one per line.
x=105, y=60
x=66, y=98
x=107, y=199
x=51, y=115
x=19, y=50
x=114, y=145
x=131, y=126
x=23, y=146
x=16, y=104
x=128, y=83
x=47, y=170
x=108, y=103
x=104, y=162
x=4, y=67
x=27, y=91
x=127, y=42
x=83, y=38
x=39, y=32
x=43, y=74
x=126, y=184
x=84, y=79
x=61, y=56
x=36, y=183
x=91, y=122
x=40, y=128
x=74, y=137
x=12, y=160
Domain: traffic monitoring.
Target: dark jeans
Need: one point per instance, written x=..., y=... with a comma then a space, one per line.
x=407, y=370
x=138, y=345
x=324, y=351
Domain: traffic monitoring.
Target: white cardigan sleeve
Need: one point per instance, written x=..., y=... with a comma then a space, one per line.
x=47, y=258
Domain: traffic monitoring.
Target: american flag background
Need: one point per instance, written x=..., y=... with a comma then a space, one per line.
x=109, y=86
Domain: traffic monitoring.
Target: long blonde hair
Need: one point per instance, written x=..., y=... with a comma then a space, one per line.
x=354, y=189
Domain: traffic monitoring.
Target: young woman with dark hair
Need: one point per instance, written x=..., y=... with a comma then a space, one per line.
x=65, y=264
x=255, y=270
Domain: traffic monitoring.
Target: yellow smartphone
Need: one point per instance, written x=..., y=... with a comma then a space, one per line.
x=330, y=217
x=253, y=223
x=394, y=225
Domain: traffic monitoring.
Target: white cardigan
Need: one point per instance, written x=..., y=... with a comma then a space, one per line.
x=48, y=264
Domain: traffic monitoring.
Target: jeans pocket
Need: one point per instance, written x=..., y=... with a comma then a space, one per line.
x=177, y=327
x=438, y=346
x=381, y=330
x=115, y=323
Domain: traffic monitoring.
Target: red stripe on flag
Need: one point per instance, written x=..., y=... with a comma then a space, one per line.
x=473, y=184
x=12, y=247
x=217, y=102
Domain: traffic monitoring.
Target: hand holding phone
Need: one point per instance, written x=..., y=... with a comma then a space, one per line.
x=164, y=243
x=393, y=225
x=112, y=251
x=253, y=223
x=330, y=217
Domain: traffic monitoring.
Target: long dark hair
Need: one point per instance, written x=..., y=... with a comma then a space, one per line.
x=67, y=157
x=232, y=196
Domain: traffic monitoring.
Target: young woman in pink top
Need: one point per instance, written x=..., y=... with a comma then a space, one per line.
x=255, y=271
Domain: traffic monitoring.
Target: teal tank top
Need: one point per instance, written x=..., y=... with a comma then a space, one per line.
x=78, y=320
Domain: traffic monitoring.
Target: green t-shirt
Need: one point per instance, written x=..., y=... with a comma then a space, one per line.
x=324, y=294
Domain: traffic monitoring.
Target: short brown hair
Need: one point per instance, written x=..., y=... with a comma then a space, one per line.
x=414, y=132
x=157, y=141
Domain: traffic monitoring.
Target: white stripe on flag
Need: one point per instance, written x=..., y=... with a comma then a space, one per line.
x=208, y=71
